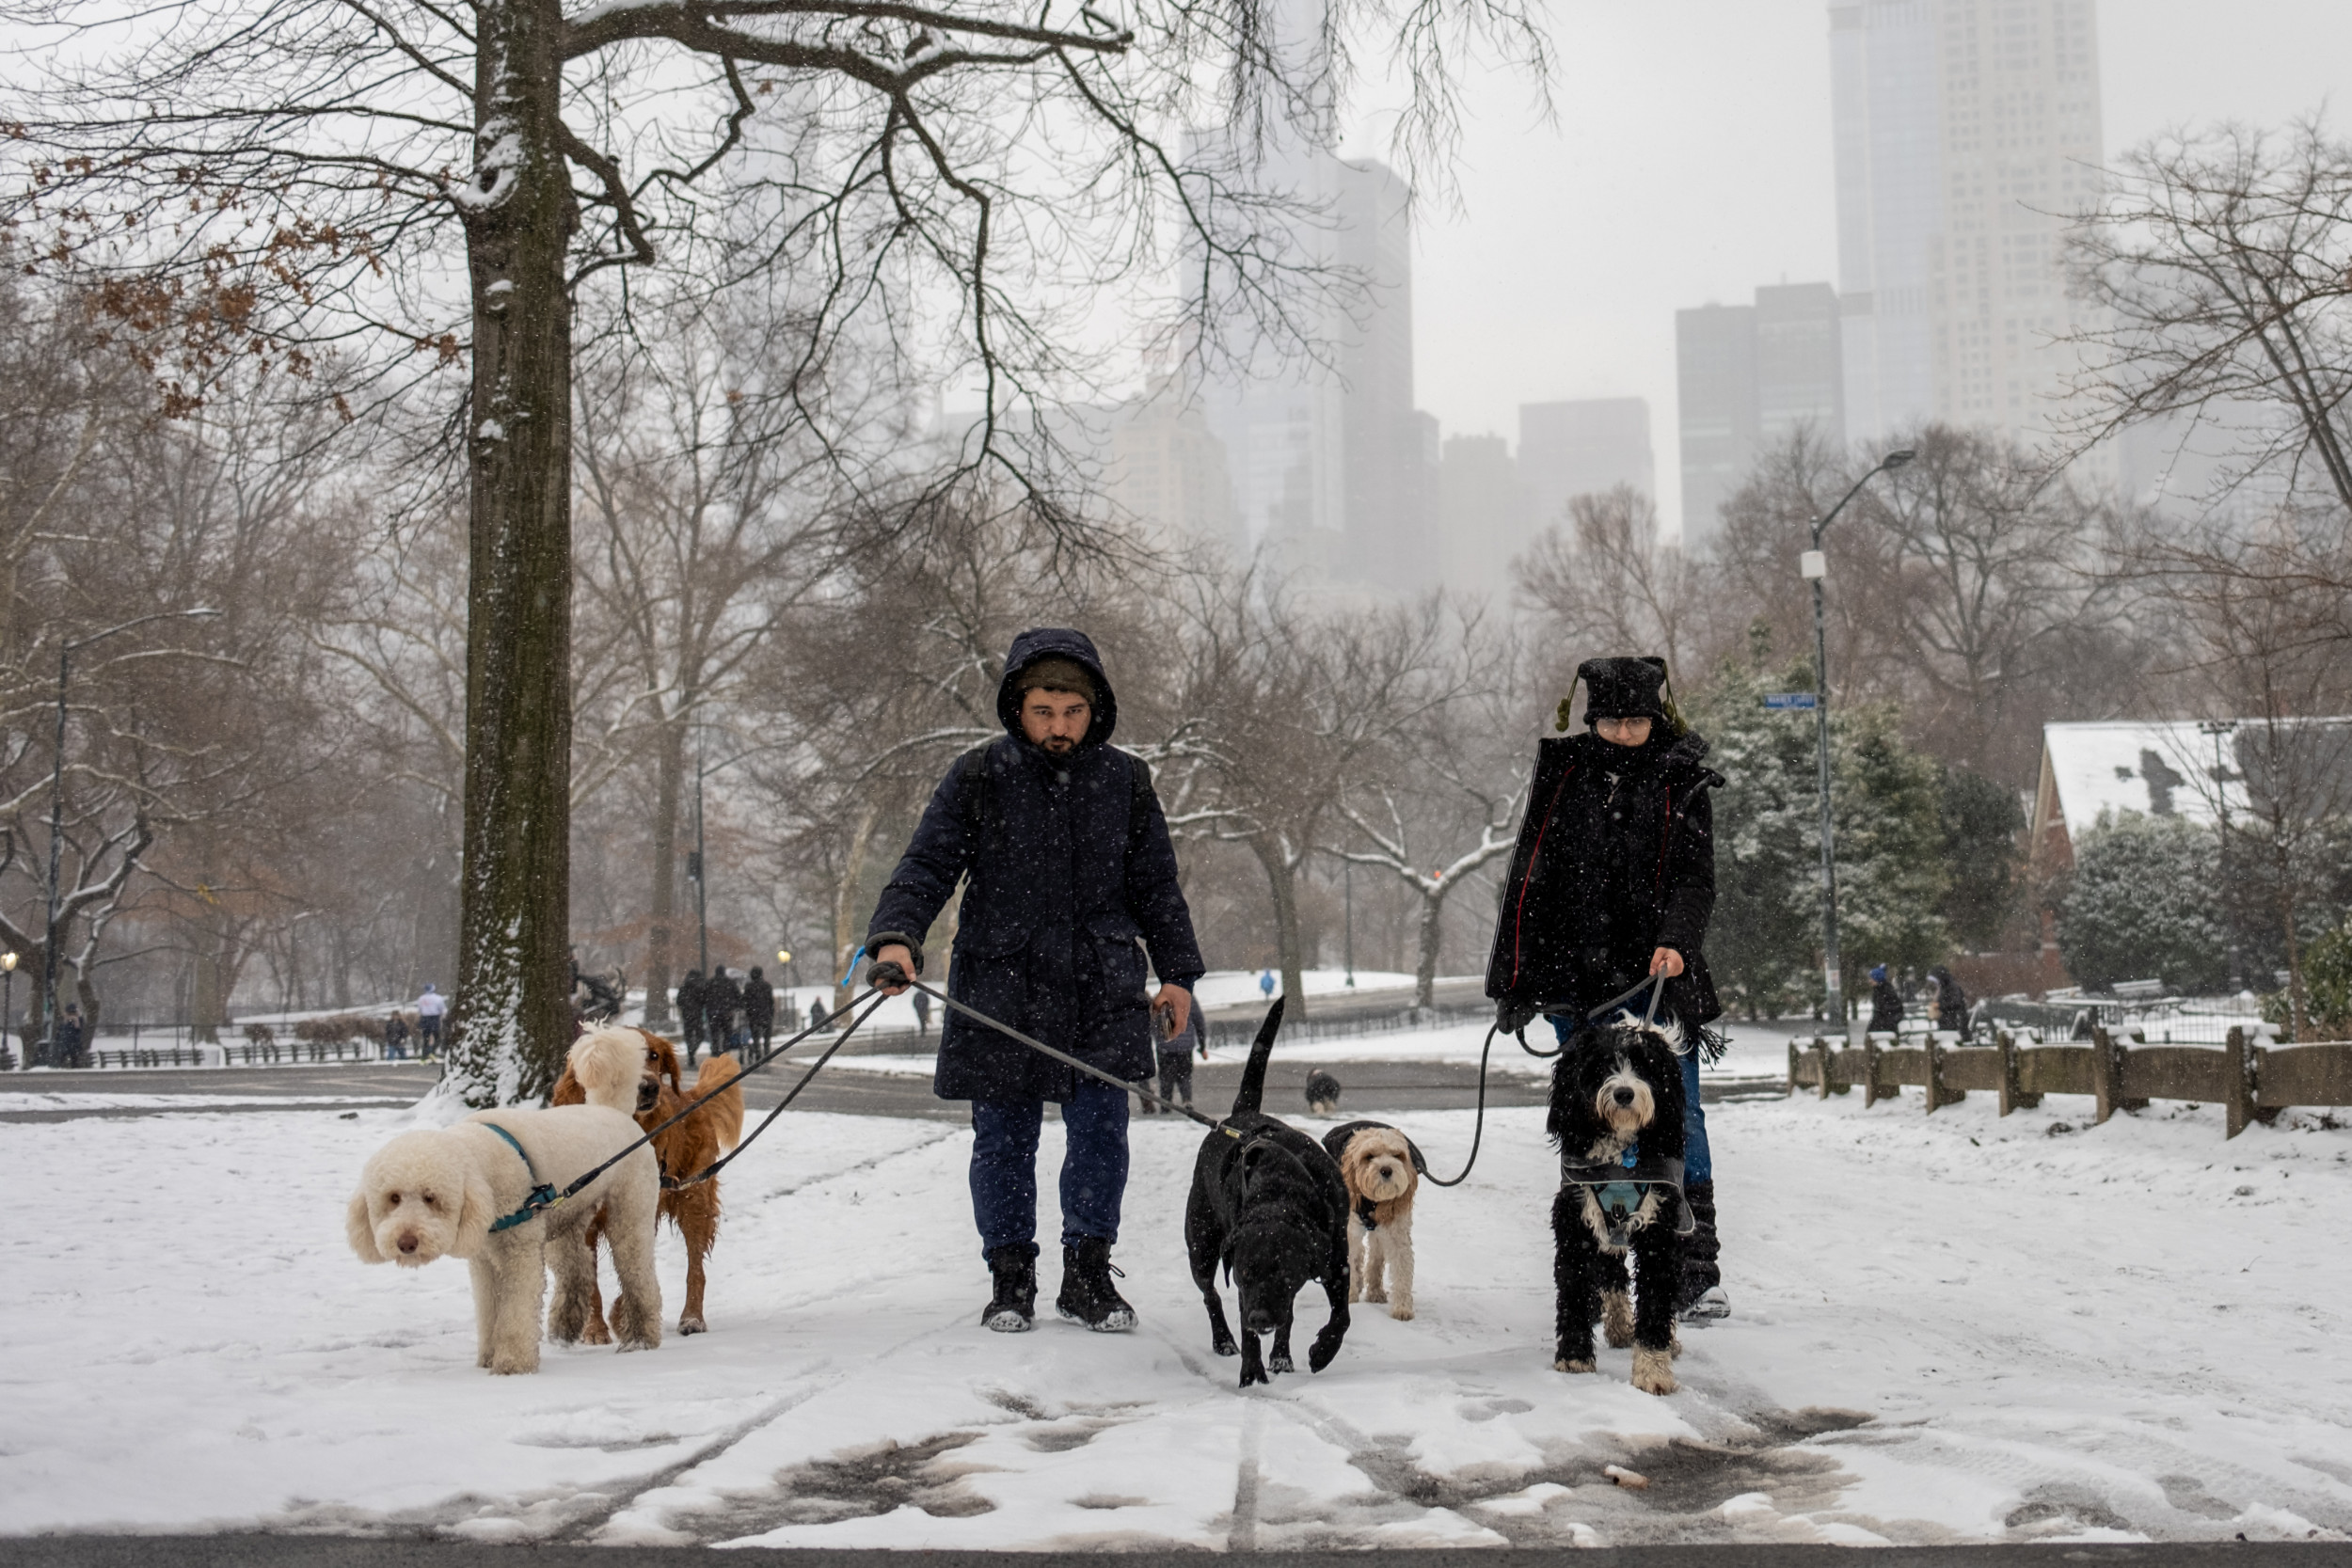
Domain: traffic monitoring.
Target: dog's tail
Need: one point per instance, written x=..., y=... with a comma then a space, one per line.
x=726, y=1110
x=1251, y=1096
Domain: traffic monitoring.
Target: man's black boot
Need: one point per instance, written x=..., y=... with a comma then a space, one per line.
x=1088, y=1295
x=1701, y=1298
x=1012, y=1309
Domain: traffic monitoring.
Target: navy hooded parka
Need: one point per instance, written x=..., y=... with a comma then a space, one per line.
x=1069, y=863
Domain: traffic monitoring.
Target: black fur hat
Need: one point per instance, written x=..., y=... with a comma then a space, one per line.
x=1623, y=688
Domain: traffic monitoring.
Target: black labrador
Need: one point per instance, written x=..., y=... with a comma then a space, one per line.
x=1268, y=1203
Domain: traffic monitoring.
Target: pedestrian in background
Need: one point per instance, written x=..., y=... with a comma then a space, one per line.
x=722, y=998
x=1176, y=1053
x=396, y=1038
x=430, y=1006
x=922, y=1014
x=689, y=1010
x=1886, y=1004
x=1952, y=1002
x=817, y=1014
x=759, y=1009
x=66, y=1050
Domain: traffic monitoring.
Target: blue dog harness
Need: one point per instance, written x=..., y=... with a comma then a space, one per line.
x=1621, y=1185
x=542, y=1195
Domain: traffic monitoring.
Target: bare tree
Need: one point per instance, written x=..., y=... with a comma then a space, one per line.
x=1606, y=582
x=1441, y=800
x=256, y=177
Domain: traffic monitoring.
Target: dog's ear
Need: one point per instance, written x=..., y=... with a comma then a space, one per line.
x=474, y=1216
x=359, y=1228
x=568, y=1090
x=669, y=1064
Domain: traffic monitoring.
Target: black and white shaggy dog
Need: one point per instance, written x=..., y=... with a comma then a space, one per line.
x=1617, y=1101
x=1323, y=1093
x=1269, y=1205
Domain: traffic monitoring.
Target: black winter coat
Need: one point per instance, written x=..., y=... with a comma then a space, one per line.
x=1069, y=863
x=759, y=1003
x=1616, y=858
x=721, y=997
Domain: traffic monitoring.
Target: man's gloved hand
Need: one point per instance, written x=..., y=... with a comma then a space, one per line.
x=1514, y=1014
x=895, y=966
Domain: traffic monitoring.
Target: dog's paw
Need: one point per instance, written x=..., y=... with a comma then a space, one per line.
x=1224, y=1346
x=692, y=1324
x=1355, y=1290
x=594, y=1333
x=1616, y=1318
x=1280, y=1362
x=1401, y=1310
x=1377, y=1294
x=1654, y=1371
x=1322, y=1352
x=1566, y=1363
x=1250, y=1374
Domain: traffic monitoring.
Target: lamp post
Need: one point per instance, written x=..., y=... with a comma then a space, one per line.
x=2219, y=729
x=7, y=1001
x=1348, y=875
x=1813, y=566
x=66, y=651
x=696, y=868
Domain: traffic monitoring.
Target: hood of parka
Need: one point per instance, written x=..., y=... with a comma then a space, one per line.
x=1661, y=749
x=1056, y=643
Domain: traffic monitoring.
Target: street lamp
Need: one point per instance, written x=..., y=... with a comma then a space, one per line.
x=7, y=1001
x=2221, y=729
x=1813, y=566
x=66, y=651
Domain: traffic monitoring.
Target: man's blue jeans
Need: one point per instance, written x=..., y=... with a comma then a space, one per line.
x=1698, y=1164
x=1093, y=1167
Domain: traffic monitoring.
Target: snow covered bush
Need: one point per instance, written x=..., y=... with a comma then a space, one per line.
x=2327, y=986
x=2142, y=903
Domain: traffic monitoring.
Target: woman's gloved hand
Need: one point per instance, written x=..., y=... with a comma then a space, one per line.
x=1514, y=1014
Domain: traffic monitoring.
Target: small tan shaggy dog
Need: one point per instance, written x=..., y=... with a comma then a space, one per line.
x=437, y=1193
x=1382, y=1169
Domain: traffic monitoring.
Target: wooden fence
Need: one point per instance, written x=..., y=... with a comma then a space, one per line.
x=2248, y=1082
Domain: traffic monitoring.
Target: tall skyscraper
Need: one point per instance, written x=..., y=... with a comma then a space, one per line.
x=1747, y=377
x=1481, y=514
x=1580, y=447
x=1966, y=131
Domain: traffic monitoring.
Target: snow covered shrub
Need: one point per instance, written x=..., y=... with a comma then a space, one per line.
x=2327, y=986
x=2142, y=903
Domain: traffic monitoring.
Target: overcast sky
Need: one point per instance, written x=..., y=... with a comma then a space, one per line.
x=1690, y=162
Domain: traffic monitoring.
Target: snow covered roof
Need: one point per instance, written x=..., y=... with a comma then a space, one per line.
x=2155, y=767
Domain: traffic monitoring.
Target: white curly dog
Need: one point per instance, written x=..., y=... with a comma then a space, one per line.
x=439, y=1193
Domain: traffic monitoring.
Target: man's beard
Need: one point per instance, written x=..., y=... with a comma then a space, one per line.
x=1060, y=745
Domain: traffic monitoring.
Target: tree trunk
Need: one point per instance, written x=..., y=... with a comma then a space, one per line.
x=669, y=789
x=216, y=971
x=2296, y=1019
x=1432, y=935
x=512, y=1019
x=1282, y=877
x=845, y=931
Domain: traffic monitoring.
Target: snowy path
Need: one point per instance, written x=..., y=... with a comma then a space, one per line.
x=1954, y=1327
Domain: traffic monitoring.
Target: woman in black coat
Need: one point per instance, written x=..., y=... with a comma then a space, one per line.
x=1614, y=880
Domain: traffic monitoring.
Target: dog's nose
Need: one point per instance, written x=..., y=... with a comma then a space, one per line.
x=1625, y=1095
x=1258, y=1323
x=407, y=1241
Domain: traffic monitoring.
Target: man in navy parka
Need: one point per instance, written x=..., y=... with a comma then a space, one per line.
x=1069, y=863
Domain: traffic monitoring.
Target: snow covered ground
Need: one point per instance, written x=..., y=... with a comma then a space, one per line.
x=1954, y=1327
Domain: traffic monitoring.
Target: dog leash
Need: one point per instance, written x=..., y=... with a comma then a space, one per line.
x=538, y=1204
x=814, y=1068
x=883, y=974
x=542, y=1195
x=1655, y=985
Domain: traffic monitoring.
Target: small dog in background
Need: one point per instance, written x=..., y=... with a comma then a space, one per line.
x=1383, y=1171
x=1616, y=1095
x=685, y=1150
x=1323, y=1093
x=1268, y=1204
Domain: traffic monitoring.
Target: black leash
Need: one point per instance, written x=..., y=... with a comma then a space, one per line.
x=814, y=1068
x=882, y=973
x=1655, y=985
x=542, y=1200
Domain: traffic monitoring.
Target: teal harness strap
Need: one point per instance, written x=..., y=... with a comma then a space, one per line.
x=542, y=1195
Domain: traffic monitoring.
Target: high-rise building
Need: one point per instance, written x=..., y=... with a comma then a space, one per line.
x=1748, y=378
x=1966, y=131
x=1481, y=514
x=1580, y=447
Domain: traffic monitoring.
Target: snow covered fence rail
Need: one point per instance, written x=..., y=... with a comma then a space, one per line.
x=2248, y=1080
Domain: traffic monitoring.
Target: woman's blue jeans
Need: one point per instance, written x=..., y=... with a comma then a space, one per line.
x=1698, y=1164
x=1093, y=1167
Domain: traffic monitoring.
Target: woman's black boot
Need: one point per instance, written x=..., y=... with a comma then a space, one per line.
x=1013, y=1308
x=1088, y=1295
x=1702, y=1297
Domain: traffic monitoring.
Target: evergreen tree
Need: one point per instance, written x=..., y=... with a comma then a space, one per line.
x=1981, y=819
x=2140, y=905
x=1765, y=943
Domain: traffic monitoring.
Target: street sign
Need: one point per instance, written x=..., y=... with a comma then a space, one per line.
x=1790, y=699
